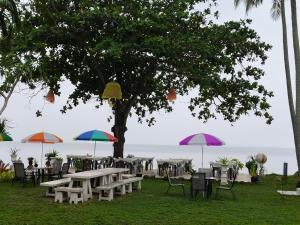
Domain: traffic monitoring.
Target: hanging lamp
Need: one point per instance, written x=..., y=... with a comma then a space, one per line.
x=171, y=96
x=50, y=96
x=112, y=90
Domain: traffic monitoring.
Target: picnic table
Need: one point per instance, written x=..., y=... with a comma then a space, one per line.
x=105, y=176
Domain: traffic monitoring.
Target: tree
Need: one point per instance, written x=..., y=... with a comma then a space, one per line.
x=278, y=10
x=147, y=47
x=4, y=127
x=9, y=19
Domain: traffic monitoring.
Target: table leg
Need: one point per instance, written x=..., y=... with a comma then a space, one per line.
x=87, y=190
x=209, y=188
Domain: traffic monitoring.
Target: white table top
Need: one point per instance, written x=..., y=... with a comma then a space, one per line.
x=96, y=173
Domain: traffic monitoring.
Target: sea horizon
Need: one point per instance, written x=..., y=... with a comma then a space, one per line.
x=276, y=155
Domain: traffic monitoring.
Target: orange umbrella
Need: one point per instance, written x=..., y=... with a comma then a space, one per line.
x=42, y=137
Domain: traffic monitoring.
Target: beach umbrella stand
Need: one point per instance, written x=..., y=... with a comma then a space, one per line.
x=96, y=135
x=202, y=139
x=43, y=138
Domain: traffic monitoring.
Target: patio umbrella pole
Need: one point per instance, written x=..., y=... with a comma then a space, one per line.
x=94, y=163
x=42, y=155
x=202, y=155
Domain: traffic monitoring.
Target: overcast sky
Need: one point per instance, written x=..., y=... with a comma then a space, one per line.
x=171, y=128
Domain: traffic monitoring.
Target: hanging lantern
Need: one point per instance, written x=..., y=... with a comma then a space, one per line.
x=112, y=91
x=171, y=96
x=50, y=96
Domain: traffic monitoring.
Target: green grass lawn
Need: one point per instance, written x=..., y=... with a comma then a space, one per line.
x=254, y=204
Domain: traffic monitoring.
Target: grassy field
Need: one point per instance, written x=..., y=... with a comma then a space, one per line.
x=255, y=204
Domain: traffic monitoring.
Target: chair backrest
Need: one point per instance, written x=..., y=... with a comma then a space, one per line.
x=235, y=172
x=198, y=182
x=65, y=168
x=19, y=170
x=56, y=167
x=208, y=171
x=87, y=165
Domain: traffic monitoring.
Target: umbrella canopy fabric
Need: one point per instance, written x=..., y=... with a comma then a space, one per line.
x=202, y=139
x=96, y=135
x=5, y=137
x=43, y=137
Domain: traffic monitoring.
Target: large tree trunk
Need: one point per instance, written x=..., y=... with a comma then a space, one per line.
x=121, y=110
x=296, y=123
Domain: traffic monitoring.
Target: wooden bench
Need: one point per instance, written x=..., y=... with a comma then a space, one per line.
x=109, y=190
x=129, y=182
x=53, y=184
x=62, y=193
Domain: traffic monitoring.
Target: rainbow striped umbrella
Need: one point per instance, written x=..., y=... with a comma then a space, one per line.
x=202, y=139
x=96, y=135
x=5, y=137
x=42, y=137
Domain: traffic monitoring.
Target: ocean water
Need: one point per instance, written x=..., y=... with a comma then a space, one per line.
x=276, y=156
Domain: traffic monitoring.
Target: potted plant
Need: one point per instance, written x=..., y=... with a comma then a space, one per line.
x=13, y=154
x=224, y=168
x=252, y=167
x=35, y=163
x=49, y=156
x=140, y=169
x=77, y=165
x=237, y=164
x=30, y=163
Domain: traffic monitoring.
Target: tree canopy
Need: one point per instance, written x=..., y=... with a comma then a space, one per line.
x=148, y=47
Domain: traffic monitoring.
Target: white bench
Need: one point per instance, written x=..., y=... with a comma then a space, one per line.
x=62, y=193
x=128, y=182
x=109, y=190
x=53, y=184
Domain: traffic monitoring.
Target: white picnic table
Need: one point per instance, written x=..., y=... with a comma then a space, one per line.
x=105, y=175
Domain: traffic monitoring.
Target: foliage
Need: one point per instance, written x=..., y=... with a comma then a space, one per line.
x=14, y=151
x=30, y=160
x=252, y=166
x=78, y=164
x=9, y=17
x=6, y=176
x=223, y=161
x=3, y=167
x=51, y=154
x=146, y=46
x=239, y=164
x=4, y=127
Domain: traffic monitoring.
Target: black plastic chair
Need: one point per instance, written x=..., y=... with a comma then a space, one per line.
x=198, y=184
x=55, y=171
x=228, y=187
x=179, y=183
x=21, y=175
x=87, y=165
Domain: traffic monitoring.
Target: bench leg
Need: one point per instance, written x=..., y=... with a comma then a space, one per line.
x=129, y=188
x=139, y=185
x=59, y=196
x=110, y=195
x=123, y=190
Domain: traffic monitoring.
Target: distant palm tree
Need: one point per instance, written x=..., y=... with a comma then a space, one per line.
x=278, y=10
x=9, y=17
x=4, y=127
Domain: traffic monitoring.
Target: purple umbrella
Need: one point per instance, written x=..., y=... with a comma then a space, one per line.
x=202, y=139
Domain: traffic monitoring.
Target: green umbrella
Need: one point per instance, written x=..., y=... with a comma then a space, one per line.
x=5, y=137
